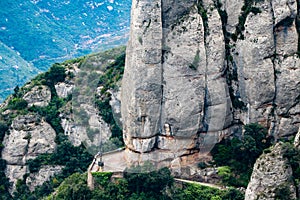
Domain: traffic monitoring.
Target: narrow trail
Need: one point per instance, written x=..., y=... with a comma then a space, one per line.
x=200, y=183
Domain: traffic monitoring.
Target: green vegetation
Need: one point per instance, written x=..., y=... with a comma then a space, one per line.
x=231, y=70
x=102, y=178
x=139, y=183
x=17, y=104
x=73, y=159
x=247, y=9
x=196, y=61
x=203, y=13
x=194, y=191
x=4, y=184
x=73, y=187
x=237, y=103
x=51, y=112
x=283, y=192
x=57, y=73
x=146, y=185
x=143, y=181
x=237, y=156
x=109, y=80
x=293, y=155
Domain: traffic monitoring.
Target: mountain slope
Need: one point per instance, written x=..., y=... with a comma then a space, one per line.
x=14, y=70
x=59, y=120
x=49, y=31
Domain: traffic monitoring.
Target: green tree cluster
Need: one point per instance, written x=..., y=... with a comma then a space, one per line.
x=17, y=104
x=138, y=184
x=143, y=186
x=57, y=73
x=240, y=154
x=194, y=191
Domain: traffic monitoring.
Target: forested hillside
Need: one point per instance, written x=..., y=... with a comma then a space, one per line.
x=36, y=33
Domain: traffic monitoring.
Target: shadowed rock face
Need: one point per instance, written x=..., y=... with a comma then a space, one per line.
x=198, y=70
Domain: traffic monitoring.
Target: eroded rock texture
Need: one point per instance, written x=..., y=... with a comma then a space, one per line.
x=45, y=173
x=29, y=137
x=38, y=96
x=198, y=70
x=271, y=172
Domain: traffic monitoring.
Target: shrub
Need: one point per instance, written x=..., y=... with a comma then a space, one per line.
x=283, y=192
x=241, y=154
x=3, y=130
x=17, y=104
x=102, y=178
x=225, y=173
x=57, y=73
x=202, y=165
x=73, y=187
x=152, y=182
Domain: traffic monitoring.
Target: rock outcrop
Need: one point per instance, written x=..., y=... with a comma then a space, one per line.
x=64, y=89
x=197, y=70
x=29, y=137
x=86, y=127
x=81, y=120
x=44, y=174
x=68, y=99
x=271, y=172
x=38, y=96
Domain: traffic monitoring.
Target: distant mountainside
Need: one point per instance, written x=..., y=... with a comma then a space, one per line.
x=36, y=33
x=13, y=69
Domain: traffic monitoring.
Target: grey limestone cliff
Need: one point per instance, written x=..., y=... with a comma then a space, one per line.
x=197, y=70
x=29, y=137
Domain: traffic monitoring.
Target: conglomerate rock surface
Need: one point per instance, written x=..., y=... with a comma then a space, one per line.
x=198, y=70
x=271, y=172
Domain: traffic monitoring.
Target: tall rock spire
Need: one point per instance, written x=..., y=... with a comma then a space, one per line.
x=196, y=70
x=142, y=84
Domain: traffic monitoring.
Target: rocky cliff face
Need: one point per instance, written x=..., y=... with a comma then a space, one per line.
x=29, y=137
x=47, y=113
x=198, y=70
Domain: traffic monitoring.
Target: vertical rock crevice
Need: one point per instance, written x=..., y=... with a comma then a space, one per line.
x=160, y=129
x=203, y=13
x=272, y=118
x=230, y=68
x=298, y=25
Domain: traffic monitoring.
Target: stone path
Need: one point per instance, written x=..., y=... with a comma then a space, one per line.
x=200, y=183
